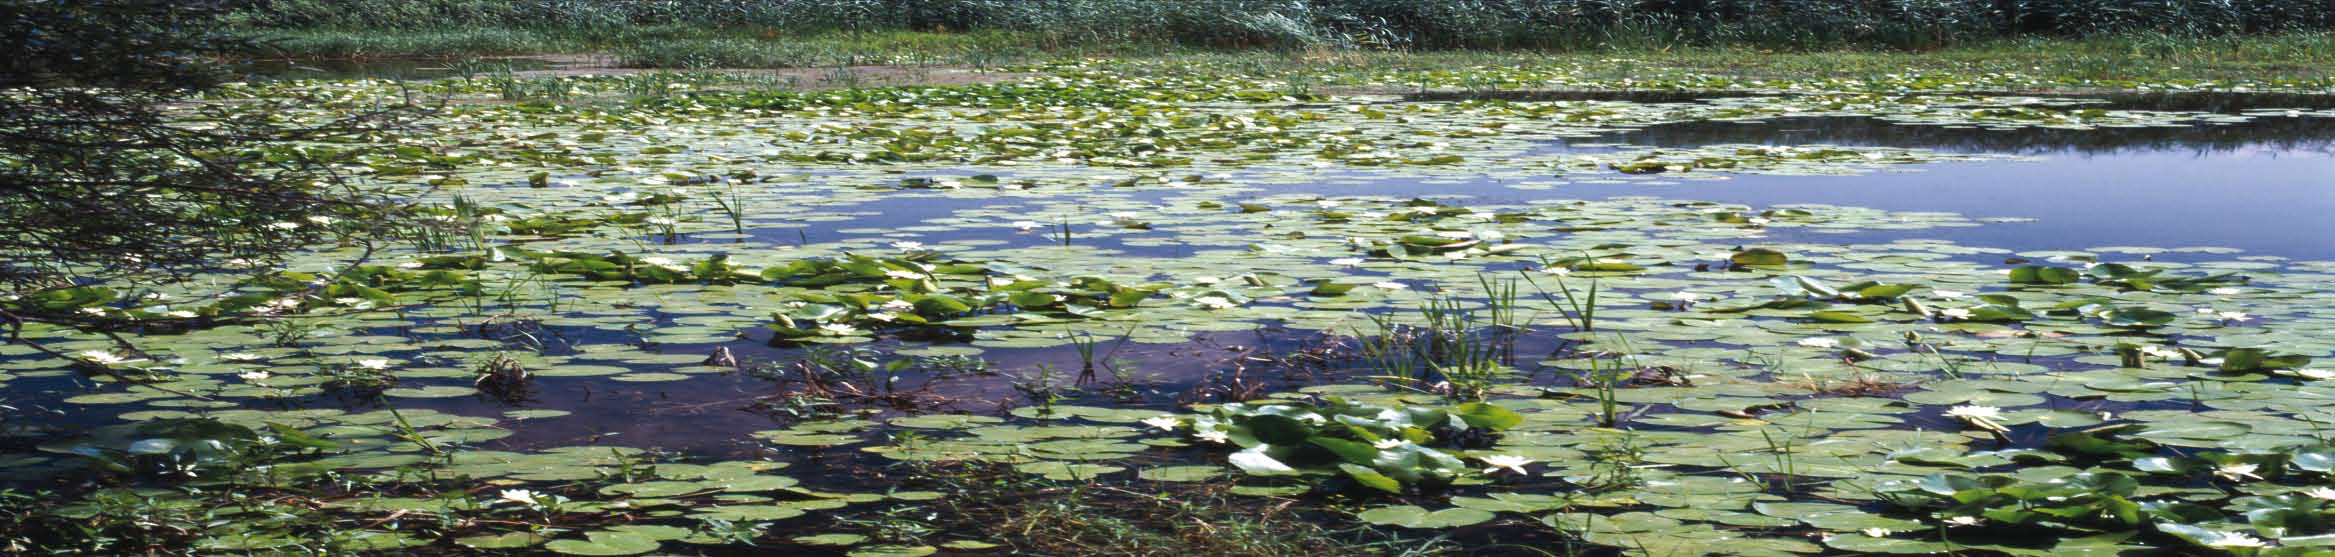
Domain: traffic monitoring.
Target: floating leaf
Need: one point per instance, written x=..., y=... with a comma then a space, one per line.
x=1759, y=256
x=1409, y=516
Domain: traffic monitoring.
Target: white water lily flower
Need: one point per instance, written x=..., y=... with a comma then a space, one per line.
x=2233, y=315
x=1982, y=417
x=1954, y=313
x=2229, y=540
x=1971, y=411
x=1511, y=463
x=2225, y=291
x=2321, y=492
x=665, y=262
x=1383, y=444
x=284, y=225
x=1963, y=521
x=373, y=363
x=886, y=317
x=253, y=375
x=1214, y=302
x=1876, y=532
x=101, y=357
x=520, y=496
x=899, y=305
x=838, y=328
x=1558, y=271
x=1213, y=436
x=1346, y=261
x=900, y=274
x=1819, y=343
x=2237, y=471
x=1164, y=423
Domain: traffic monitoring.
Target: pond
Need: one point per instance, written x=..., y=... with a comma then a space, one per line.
x=667, y=313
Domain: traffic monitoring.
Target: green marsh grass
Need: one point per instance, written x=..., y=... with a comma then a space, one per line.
x=732, y=205
x=1500, y=297
x=2210, y=48
x=470, y=217
x=1605, y=384
x=1578, y=312
x=1452, y=349
x=1380, y=24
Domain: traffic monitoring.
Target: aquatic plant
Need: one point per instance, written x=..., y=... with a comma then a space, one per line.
x=1451, y=351
x=1381, y=448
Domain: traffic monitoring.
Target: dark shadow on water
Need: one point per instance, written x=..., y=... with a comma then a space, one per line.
x=2226, y=102
x=2281, y=133
x=1581, y=95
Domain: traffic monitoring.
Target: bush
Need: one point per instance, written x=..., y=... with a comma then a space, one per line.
x=105, y=173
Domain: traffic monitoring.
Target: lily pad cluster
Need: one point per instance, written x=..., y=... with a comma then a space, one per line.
x=1383, y=448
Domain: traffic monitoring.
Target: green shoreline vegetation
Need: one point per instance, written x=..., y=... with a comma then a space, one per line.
x=2136, y=41
x=2302, y=56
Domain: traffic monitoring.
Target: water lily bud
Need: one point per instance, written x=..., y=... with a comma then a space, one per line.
x=1915, y=305
x=2191, y=357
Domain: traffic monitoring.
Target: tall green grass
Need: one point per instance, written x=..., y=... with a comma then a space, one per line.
x=1422, y=24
